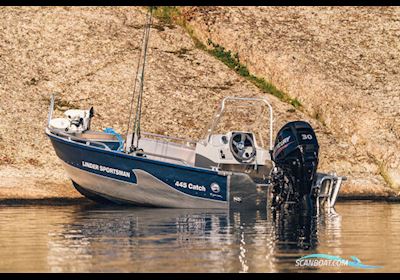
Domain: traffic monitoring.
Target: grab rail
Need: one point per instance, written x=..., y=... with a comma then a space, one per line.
x=77, y=139
x=163, y=156
x=169, y=137
x=74, y=138
x=80, y=140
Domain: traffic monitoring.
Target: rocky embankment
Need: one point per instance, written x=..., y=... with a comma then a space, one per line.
x=328, y=59
x=341, y=63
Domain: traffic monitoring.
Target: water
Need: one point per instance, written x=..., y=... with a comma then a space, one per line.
x=78, y=238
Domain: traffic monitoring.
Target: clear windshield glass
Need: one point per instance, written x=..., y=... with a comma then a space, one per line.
x=242, y=115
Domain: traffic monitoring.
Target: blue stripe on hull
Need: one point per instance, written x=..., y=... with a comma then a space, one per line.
x=189, y=180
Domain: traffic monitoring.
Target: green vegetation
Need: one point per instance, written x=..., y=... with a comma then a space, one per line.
x=166, y=14
x=382, y=170
x=233, y=62
x=171, y=14
x=385, y=175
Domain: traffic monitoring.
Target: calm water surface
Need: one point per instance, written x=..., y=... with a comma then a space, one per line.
x=96, y=238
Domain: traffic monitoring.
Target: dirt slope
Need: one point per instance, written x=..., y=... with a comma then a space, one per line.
x=88, y=56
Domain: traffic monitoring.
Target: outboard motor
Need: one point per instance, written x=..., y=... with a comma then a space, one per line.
x=296, y=158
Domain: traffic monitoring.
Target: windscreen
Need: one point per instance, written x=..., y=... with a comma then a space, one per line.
x=243, y=115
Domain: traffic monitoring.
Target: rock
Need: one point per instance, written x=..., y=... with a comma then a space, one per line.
x=89, y=56
x=354, y=139
x=349, y=75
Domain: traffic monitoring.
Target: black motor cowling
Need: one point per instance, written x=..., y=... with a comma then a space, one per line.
x=296, y=155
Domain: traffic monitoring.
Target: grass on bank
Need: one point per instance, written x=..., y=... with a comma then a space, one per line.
x=383, y=172
x=171, y=15
x=385, y=175
x=233, y=62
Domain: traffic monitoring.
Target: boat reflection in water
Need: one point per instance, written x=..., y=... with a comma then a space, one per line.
x=103, y=238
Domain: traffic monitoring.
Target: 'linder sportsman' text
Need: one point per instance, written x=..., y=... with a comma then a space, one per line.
x=106, y=169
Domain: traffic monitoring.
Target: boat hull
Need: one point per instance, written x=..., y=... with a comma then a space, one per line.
x=148, y=191
x=128, y=179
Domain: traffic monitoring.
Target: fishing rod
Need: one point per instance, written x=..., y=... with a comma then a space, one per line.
x=134, y=91
x=139, y=77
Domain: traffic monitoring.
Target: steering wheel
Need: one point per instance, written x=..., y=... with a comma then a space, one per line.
x=242, y=147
